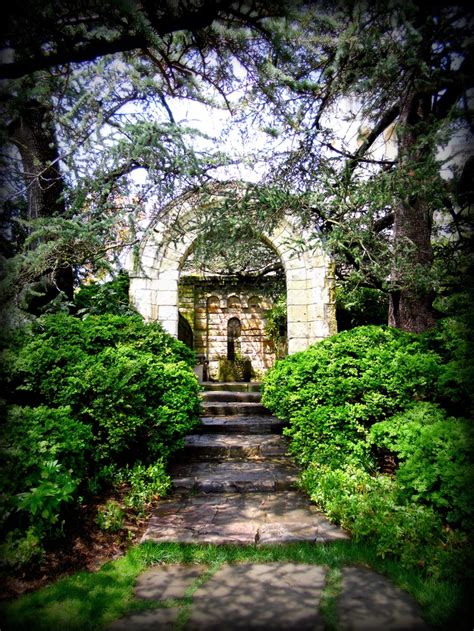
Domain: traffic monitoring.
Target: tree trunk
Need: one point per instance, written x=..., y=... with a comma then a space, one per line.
x=412, y=296
x=33, y=134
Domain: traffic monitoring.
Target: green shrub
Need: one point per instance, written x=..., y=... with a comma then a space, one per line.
x=276, y=324
x=48, y=490
x=147, y=483
x=434, y=453
x=105, y=298
x=453, y=340
x=335, y=390
x=110, y=517
x=135, y=403
x=102, y=393
x=129, y=381
x=35, y=435
x=368, y=506
x=375, y=388
x=41, y=366
x=360, y=306
x=21, y=548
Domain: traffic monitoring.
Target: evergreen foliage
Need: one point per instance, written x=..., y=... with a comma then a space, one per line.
x=90, y=402
x=367, y=419
x=111, y=297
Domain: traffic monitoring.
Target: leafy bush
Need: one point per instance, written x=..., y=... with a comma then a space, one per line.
x=43, y=501
x=276, y=323
x=434, y=454
x=146, y=484
x=453, y=340
x=21, y=548
x=370, y=389
x=105, y=298
x=129, y=381
x=360, y=306
x=46, y=359
x=102, y=393
x=135, y=403
x=111, y=517
x=368, y=506
x=334, y=391
x=35, y=435
x=45, y=456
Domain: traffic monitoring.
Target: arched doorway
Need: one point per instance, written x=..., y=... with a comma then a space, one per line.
x=155, y=273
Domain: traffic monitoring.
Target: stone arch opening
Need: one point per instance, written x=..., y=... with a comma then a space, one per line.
x=213, y=303
x=234, y=330
x=309, y=275
x=233, y=302
x=185, y=331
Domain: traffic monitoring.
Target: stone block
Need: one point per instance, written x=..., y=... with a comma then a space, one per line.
x=170, y=326
x=295, y=273
x=149, y=264
x=316, y=311
x=169, y=274
x=200, y=324
x=370, y=602
x=175, y=252
x=168, y=265
x=167, y=298
x=299, y=284
x=277, y=596
x=297, y=313
x=297, y=344
x=167, y=312
x=319, y=329
x=147, y=620
x=298, y=297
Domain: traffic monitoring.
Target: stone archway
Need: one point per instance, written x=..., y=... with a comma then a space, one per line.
x=155, y=273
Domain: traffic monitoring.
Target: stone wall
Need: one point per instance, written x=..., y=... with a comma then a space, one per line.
x=208, y=305
x=309, y=274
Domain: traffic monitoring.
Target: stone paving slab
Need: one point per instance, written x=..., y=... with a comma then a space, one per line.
x=213, y=446
x=370, y=602
x=167, y=582
x=242, y=424
x=240, y=518
x=147, y=620
x=274, y=596
x=277, y=596
x=271, y=474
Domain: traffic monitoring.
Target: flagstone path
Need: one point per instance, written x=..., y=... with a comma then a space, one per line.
x=235, y=484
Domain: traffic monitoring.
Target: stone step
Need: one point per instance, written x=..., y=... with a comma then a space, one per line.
x=220, y=446
x=231, y=396
x=245, y=518
x=234, y=386
x=232, y=476
x=238, y=408
x=241, y=424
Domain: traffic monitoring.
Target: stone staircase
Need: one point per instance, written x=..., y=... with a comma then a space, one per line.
x=234, y=482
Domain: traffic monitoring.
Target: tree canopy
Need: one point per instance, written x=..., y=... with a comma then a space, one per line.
x=345, y=110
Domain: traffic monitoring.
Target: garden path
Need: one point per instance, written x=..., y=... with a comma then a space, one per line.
x=235, y=484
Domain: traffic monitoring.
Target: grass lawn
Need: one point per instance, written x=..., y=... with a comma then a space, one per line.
x=92, y=600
